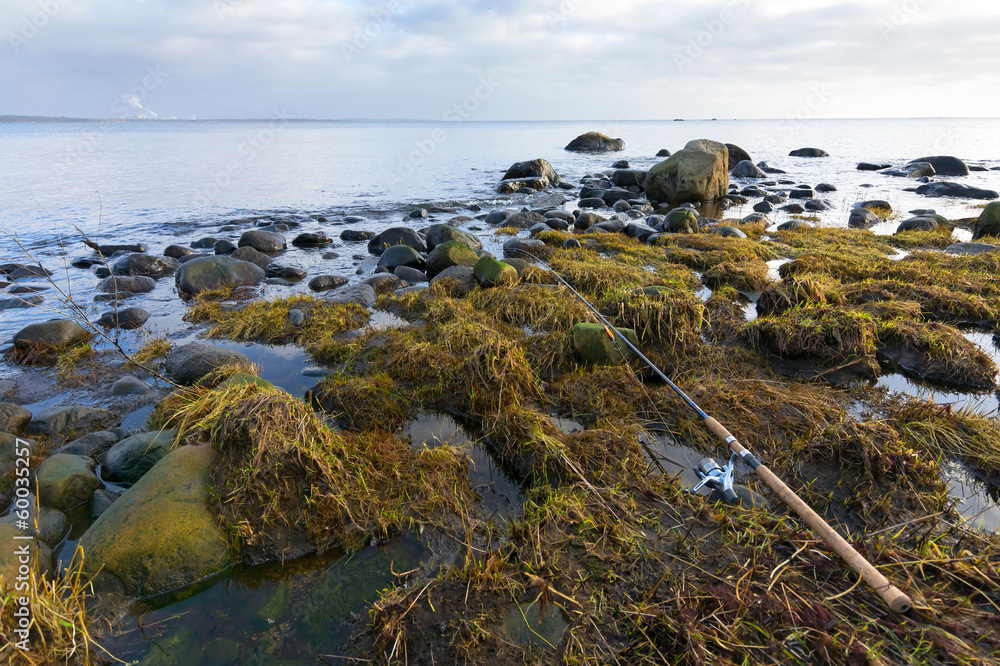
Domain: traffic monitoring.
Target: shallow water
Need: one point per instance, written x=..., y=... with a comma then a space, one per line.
x=270, y=612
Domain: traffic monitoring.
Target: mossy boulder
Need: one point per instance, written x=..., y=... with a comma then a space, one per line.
x=989, y=222
x=595, y=345
x=246, y=378
x=681, y=221
x=492, y=273
x=160, y=535
x=689, y=175
x=216, y=272
x=442, y=233
x=128, y=460
x=66, y=481
x=448, y=254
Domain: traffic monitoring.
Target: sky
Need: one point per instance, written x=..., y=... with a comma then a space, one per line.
x=499, y=60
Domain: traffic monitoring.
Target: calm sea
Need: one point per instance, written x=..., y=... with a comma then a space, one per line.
x=173, y=182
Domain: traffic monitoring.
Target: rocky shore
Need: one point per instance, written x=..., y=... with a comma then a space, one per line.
x=775, y=324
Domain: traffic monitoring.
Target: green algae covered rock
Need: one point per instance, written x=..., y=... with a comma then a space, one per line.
x=492, y=273
x=593, y=343
x=160, y=535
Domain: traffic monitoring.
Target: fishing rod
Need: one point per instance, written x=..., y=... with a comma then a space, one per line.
x=713, y=475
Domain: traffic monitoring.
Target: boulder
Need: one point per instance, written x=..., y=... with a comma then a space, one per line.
x=944, y=165
x=127, y=319
x=443, y=233
x=747, y=169
x=411, y=275
x=497, y=217
x=737, y=155
x=223, y=247
x=101, y=501
x=586, y=220
x=359, y=294
x=216, y=272
x=949, y=189
x=727, y=232
x=537, y=168
x=311, y=240
x=327, y=282
x=145, y=265
x=451, y=253
x=680, y=221
x=971, y=249
x=663, y=152
x=794, y=225
x=629, y=177
x=356, y=235
x=13, y=418
x=263, y=241
x=52, y=524
x=639, y=231
x=177, y=251
x=809, y=152
x=188, y=363
x=382, y=282
x=460, y=280
x=918, y=223
x=862, y=218
x=160, y=535
x=401, y=255
x=128, y=460
x=868, y=166
x=51, y=335
x=129, y=385
x=518, y=247
x=988, y=223
x=136, y=284
x=255, y=257
x=65, y=481
x=525, y=220
x=595, y=346
x=492, y=273
x=396, y=236
x=689, y=175
x=68, y=421
x=27, y=272
x=595, y=142
x=92, y=445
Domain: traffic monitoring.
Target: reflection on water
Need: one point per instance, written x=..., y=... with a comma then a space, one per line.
x=500, y=494
x=273, y=613
x=978, y=500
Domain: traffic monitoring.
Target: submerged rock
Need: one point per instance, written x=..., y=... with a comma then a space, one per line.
x=949, y=189
x=160, y=535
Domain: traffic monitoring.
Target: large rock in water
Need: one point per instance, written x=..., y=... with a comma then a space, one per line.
x=216, y=272
x=50, y=335
x=809, y=152
x=595, y=142
x=691, y=174
x=737, y=155
x=989, y=222
x=145, y=265
x=66, y=481
x=594, y=345
x=189, y=363
x=137, y=284
x=160, y=535
x=128, y=460
x=537, y=168
x=492, y=273
x=400, y=255
x=945, y=165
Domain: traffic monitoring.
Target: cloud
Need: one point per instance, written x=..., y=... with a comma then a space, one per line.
x=555, y=59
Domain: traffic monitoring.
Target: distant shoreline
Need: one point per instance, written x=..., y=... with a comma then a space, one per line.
x=62, y=119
